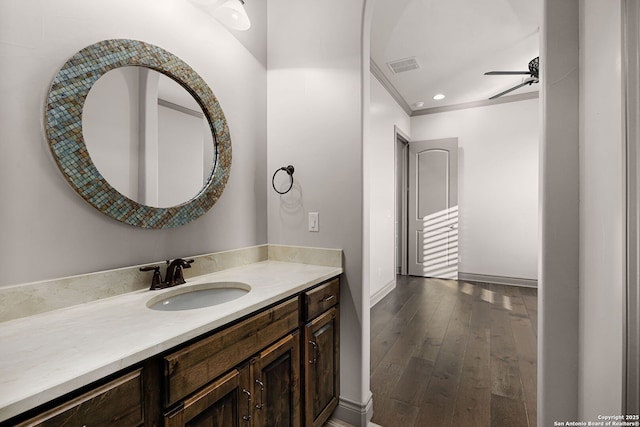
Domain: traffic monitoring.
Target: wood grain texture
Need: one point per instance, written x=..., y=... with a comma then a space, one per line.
x=505, y=374
x=449, y=353
x=276, y=388
x=215, y=405
x=322, y=298
x=194, y=366
x=115, y=404
x=322, y=367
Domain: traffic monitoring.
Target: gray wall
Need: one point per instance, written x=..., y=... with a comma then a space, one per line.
x=558, y=289
x=315, y=116
x=47, y=230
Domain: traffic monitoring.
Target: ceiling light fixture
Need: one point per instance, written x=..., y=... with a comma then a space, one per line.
x=232, y=14
x=438, y=97
x=418, y=104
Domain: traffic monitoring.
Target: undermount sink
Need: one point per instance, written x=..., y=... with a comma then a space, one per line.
x=198, y=296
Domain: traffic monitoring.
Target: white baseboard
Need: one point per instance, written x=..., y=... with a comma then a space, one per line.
x=382, y=292
x=499, y=280
x=355, y=413
x=337, y=423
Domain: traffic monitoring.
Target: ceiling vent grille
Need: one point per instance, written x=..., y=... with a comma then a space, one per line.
x=403, y=65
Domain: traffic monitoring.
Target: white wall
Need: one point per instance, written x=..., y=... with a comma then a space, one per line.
x=315, y=118
x=385, y=114
x=602, y=215
x=497, y=184
x=47, y=230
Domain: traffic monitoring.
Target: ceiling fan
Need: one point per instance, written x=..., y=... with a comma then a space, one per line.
x=533, y=73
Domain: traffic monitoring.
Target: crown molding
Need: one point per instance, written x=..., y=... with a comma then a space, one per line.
x=476, y=104
x=386, y=83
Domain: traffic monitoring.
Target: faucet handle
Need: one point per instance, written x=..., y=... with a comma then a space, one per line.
x=156, y=281
x=178, y=277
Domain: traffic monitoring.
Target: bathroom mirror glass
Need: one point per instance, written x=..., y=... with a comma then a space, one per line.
x=124, y=187
x=148, y=137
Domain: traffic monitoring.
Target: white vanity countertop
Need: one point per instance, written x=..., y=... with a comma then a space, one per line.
x=50, y=354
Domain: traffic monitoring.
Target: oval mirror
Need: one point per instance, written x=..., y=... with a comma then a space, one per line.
x=159, y=171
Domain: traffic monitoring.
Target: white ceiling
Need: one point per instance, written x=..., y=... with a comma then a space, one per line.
x=455, y=42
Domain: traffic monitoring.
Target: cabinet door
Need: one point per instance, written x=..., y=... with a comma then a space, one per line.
x=276, y=384
x=322, y=367
x=224, y=403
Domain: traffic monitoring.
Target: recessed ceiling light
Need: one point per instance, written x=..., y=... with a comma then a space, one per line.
x=438, y=97
x=418, y=104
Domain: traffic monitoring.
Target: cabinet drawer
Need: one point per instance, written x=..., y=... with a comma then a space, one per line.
x=218, y=401
x=115, y=404
x=322, y=298
x=194, y=366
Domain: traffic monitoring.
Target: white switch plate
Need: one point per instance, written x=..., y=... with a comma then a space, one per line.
x=313, y=221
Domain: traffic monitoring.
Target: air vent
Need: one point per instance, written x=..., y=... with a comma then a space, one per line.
x=403, y=65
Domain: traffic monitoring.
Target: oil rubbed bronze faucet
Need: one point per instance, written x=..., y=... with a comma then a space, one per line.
x=172, y=277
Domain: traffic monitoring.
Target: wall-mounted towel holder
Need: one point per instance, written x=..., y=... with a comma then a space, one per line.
x=289, y=170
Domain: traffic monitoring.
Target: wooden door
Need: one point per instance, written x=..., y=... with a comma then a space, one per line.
x=224, y=403
x=276, y=384
x=321, y=365
x=433, y=208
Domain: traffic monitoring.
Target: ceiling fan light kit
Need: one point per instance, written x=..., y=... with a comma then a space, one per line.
x=533, y=73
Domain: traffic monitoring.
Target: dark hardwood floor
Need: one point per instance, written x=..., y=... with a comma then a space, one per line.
x=454, y=353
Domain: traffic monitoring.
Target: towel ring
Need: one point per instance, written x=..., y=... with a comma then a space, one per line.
x=289, y=170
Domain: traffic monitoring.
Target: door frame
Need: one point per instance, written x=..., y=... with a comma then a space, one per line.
x=631, y=315
x=401, y=188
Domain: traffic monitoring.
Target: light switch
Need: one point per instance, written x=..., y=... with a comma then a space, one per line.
x=313, y=221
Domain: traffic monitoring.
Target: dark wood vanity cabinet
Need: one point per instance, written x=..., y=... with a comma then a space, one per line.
x=118, y=403
x=321, y=343
x=255, y=369
x=262, y=392
x=278, y=367
x=197, y=364
x=273, y=380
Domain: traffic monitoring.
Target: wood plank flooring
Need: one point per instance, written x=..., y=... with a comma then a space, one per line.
x=449, y=353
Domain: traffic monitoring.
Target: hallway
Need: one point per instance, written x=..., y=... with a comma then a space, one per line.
x=449, y=353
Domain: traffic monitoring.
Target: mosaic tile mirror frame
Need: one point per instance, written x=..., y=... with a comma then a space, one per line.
x=63, y=124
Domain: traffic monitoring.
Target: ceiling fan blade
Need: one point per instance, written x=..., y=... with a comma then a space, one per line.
x=507, y=73
x=526, y=82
